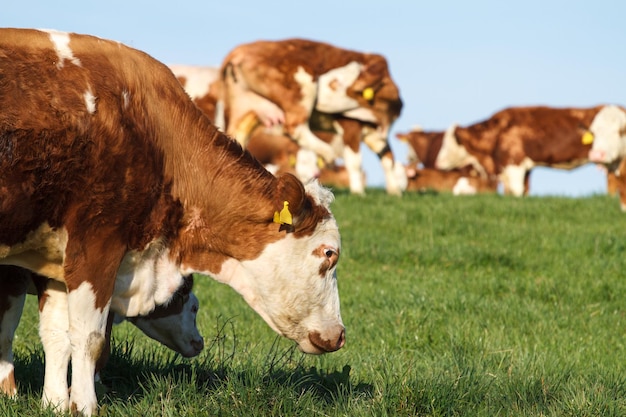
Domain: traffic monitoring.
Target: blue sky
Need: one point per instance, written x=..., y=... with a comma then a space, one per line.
x=454, y=61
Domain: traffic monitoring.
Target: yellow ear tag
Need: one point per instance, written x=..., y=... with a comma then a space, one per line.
x=587, y=138
x=284, y=217
x=292, y=161
x=320, y=163
x=368, y=93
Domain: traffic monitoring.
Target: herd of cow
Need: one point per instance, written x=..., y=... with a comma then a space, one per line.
x=116, y=187
x=290, y=125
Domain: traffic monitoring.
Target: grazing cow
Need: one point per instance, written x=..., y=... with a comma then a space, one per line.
x=465, y=181
x=423, y=149
x=514, y=140
x=114, y=183
x=173, y=325
x=283, y=82
x=608, y=132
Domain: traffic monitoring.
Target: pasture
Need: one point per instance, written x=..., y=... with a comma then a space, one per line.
x=454, y=306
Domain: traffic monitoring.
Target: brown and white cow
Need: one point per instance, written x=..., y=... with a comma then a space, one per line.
x=173, y=325
x=422, y=174
x=513, y=141
x=114, y=182
x=283, y=82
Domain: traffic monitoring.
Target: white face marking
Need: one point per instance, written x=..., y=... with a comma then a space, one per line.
x=90, y=101
x=609, y=135
x=61, y=42
x=332, y=94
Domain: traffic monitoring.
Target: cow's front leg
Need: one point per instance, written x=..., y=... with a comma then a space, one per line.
x=53, y=325
x=87, y=335
x=306, y=139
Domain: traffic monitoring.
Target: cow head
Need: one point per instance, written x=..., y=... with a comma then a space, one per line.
x=291, y=282
x=608, y=130
x=174, y=324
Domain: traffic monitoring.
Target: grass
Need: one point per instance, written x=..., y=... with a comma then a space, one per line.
x=455, y=306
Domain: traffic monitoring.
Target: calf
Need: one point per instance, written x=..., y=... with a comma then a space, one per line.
x=115, y=185
x=513, y=141
x=173, y=325
x=283, y=82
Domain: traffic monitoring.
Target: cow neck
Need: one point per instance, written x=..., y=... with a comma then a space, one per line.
x=225, y=193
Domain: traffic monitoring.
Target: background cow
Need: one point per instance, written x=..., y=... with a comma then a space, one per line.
x=513, y=141
x=283, y=82
x=114, y=183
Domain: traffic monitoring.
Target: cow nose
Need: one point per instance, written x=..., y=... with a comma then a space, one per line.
x=328, y=345
x=198, y=344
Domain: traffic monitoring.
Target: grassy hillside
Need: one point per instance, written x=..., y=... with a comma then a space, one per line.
x=455, y=306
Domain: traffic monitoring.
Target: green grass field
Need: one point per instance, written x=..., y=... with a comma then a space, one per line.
x=454, y=306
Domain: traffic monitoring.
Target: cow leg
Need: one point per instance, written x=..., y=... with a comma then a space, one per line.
x=87, y=334
x=513, y=179
x=13, y=287
x=303, y=135
x=353, y=163
x=53, y=326
x=377, y=142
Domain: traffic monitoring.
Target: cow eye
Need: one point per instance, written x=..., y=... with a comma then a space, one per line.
x=329, y=253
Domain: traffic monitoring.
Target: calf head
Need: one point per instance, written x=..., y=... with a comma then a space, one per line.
x=174, y=324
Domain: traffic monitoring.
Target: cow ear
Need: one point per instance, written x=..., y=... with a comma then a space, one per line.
x=291, y=190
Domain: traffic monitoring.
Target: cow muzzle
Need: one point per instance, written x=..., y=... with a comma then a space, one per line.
x=318, y=343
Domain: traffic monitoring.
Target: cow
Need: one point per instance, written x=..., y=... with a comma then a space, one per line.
x=283, y=82
x=465, y=181
x=514, y=140
x=608, y=135
x=116, y=185
x=422, y=174
x=173, y=325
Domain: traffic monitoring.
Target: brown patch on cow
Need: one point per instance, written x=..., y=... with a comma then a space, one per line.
x=326, y=345
x=329, y=256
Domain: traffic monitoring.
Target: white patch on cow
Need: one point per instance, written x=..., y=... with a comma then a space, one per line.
x=87, y=325
x=513, y=177
x=400, y=173
x=353, y=162
x=176, y=331
x=61, y=42
x=43, y=252
x=306, y=139
x=307, y=165
x=90, y=101
x=198, y=79
x=308, y=88
x=463, y=187
x=609, y=135
x=53, y=331
x=294, y=299
x=362, y=114
x=125, y=99
x=332, y=94
x=454, y=155
x=145, y=279
x=8, y=325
